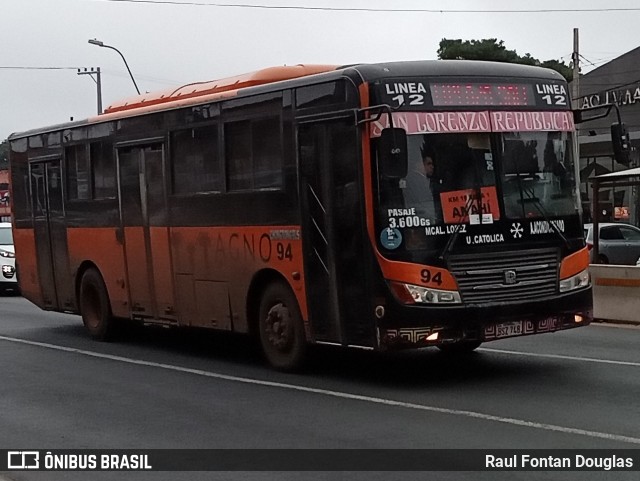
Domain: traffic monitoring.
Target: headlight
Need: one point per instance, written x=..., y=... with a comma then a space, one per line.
x=410, y=294
x=578, y=281
x=4, y=253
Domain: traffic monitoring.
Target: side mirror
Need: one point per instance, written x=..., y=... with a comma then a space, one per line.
x=621, y=143
x=392, y=153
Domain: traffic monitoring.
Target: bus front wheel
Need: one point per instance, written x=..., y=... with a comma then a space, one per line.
x=460, y=347
x=94, y=306
x=281, y=328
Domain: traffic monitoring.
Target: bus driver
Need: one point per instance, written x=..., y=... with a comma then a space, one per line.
x=420, y=191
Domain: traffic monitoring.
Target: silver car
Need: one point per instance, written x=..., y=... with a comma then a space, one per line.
x=619, y=243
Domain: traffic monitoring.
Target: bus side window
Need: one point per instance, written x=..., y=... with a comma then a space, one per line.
x=237, y=142
x=103, y=172
x=254, y=154
x=77, y=170
x=267, y=153
x=194, y=160
x=321, y=95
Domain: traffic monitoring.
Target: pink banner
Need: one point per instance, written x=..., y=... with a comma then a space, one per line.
x=428, y=122
x=532, y=121
x=464, y=122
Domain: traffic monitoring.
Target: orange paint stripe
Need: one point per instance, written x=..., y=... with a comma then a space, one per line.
x=366, y=157
x=613, y=282
x=174, y=104
x=415, y=274
x=26, y=257
x=206, y=91
x=574, y=263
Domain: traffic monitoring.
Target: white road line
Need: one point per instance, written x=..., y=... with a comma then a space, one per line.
x=560, y=356
x=613, y=324
x=337, y=394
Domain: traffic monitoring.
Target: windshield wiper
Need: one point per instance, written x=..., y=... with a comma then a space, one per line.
x=477, y=195
x=543, y=212
x=532, y=197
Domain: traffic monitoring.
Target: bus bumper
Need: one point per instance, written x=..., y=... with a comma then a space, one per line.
x=422, y=326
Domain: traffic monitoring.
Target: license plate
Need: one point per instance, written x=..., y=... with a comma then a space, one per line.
x=508, y=329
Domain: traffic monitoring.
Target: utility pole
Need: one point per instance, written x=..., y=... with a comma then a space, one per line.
x=94, y=71
x=575, y=58
x=575, y=105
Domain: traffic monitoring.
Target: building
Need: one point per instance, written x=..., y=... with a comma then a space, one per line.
x=617, y=81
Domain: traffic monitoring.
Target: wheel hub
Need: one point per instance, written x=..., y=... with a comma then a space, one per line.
x=278, y=326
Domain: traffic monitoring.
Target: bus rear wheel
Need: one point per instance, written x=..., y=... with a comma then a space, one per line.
x=281, y=328
x=460, y=347
x=94, y=306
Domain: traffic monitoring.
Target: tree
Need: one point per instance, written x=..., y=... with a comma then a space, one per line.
x=494, y=50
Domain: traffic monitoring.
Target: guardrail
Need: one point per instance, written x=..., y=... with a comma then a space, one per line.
x=616, y=292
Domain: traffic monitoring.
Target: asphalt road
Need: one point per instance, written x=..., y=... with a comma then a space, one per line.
x=159, y=388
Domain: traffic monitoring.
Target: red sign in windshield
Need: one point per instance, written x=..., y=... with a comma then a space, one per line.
x=458, y=205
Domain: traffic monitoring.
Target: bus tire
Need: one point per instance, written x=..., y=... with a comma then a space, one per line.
x=95, y=307
x=460, y=347
x=281, y=328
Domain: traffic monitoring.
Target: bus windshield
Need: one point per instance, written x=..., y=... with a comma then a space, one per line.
x=479, y=178
x=538, y=175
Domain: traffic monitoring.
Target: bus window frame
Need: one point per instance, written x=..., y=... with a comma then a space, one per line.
x=215, y=121
x=112, y=162
x=65, y=169
x=249, y=109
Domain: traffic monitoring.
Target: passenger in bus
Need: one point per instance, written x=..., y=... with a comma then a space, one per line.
x=420, y=191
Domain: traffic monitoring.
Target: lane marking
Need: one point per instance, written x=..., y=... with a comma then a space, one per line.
x=560, y=356
x=604, y=323
x=336, y=394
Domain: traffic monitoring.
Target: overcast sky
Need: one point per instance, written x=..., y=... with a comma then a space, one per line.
x=170, y=43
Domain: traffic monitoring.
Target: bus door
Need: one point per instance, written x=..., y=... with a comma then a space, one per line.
x=333, y=233
x=143, y=215
x=50, y=233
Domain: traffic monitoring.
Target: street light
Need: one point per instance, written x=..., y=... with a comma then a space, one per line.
x=102, y=44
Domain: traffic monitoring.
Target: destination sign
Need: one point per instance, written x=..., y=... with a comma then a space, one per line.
x=481, y=94
x=412, y=94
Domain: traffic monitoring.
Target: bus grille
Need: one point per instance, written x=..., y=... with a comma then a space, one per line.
x=506, y=276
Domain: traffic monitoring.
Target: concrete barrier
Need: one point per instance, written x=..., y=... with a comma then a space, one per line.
x=616, y=292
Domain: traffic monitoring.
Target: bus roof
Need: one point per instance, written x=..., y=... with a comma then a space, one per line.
x=276, y=74
x=200, y=89
x=453, y=68
x=271, y=78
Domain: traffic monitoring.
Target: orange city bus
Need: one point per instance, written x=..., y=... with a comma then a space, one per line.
x=277, y=203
